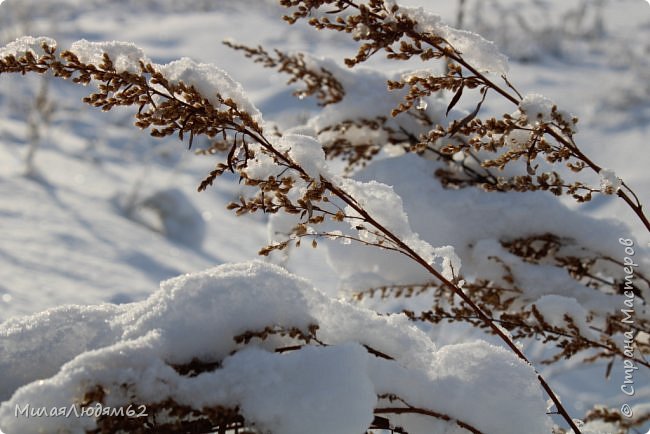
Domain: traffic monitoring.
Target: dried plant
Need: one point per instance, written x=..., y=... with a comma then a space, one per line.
x=319, y=82
x=528, y=135
x=508, y=306
x=283, y=175
x=167, y=108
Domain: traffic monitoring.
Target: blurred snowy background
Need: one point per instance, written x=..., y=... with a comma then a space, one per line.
x=93, y=210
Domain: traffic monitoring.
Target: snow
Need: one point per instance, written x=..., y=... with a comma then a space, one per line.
x=307, y=153
x=323, y=390
x=445, y=217
x=174, y=215
x=537, y=107
x=387, y=209
x=482, y=54
x=555, y=308
x=24, y=45
x=463, y=374
x=64, y=241
x=518, y=140
x=209, y=80
x=317, y=389
x=126, y=56
x=609, y=182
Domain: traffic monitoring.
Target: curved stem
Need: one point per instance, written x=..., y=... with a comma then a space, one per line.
x=422, y=411
x=408, y=251
x=252, y=130
x=423, y=316
x=456, y=56
x=458, y=291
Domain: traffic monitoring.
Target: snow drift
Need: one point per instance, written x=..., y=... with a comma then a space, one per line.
x=130, y=351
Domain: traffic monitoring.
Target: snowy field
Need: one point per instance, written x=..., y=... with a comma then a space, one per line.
x=94, y=211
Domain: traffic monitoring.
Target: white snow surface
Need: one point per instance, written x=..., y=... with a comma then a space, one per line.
x=482, y=54
x=537, y=107
x=126, y=56
x=197, y=315
x=63, y=242
x=209, y=80
x=25, y=44
x=386, y=207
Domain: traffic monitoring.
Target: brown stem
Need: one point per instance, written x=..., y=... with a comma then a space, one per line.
x=523, y=325
x=458, y=291
x=408, y=251
x=256, y=134
x=457, y=57
x=422, y=411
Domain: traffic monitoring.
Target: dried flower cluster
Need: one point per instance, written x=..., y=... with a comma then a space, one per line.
x=167, y=108
x=525, y=135
x=282, y=176
x=506, y=303
x=319, y=82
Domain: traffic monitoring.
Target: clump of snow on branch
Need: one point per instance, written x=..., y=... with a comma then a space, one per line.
x=303, y=150
x=518, y=139
x=26, y=44
x=537, y=108
x=307, y=153
x=209, y=80
x=126, y=56
x=196, y=316
x=386, y=207
x=609, y=182
x=475, y=222
x=476, y=50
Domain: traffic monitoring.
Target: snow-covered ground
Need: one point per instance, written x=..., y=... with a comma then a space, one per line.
x=94, y=217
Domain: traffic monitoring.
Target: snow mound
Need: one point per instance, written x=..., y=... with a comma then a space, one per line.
x=478, y=51
x=209, y=80
x=24, y=45
x=126, y=56
x=168, y=211
x=131, y=350
x=475, y=223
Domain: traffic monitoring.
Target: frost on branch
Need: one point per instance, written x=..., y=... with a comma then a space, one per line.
x=257, y=340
